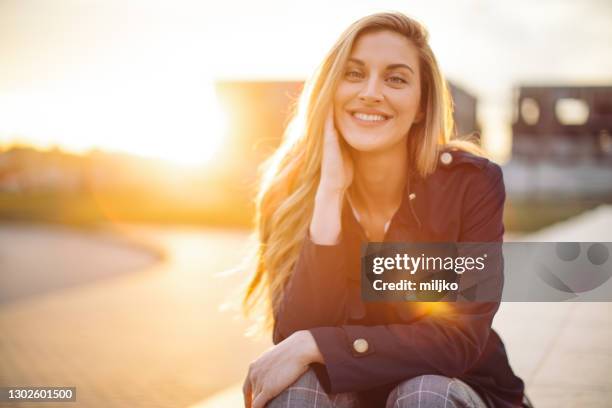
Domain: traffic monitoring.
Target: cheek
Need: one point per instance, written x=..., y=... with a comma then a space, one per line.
x=407, y=105
x=343, y=94
x=338, y=114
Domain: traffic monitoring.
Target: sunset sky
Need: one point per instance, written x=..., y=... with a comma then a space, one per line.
x=138, y=76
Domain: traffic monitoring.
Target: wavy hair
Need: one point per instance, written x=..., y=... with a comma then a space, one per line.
x=285, y=201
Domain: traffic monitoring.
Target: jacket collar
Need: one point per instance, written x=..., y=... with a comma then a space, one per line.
x=410, y=213
x=415, y=192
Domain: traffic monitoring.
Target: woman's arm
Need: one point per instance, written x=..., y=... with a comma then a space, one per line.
x=336, y=177
x=316, y=293
x=318, y=288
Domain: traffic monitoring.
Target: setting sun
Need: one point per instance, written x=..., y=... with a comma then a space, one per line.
x=146, y=95
x=179, y=121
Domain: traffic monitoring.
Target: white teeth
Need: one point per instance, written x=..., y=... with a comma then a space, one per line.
x=369, y=118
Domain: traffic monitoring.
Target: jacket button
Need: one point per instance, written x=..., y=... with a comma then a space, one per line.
x=446, y=158
x=360, y=345
x=411, y=196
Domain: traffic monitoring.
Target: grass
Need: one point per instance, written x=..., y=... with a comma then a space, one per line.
x=528, y=215
x=87, y=210
x=233, y=209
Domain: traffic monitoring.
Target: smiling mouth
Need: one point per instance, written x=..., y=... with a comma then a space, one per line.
x=369, y=117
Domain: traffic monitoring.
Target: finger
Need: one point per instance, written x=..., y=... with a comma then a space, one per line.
x=247, y=392
x=257, y=387
x=260, y=400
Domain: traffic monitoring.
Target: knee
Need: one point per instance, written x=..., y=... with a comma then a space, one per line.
x=301, y=393
x=427, y=391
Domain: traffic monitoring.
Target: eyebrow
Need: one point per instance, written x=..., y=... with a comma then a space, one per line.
x=391, y=66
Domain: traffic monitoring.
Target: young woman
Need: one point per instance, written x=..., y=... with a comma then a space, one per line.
x=369, y=157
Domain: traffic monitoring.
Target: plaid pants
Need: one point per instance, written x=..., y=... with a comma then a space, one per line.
x=425, y=391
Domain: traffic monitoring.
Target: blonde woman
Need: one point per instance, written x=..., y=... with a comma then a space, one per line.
x=369, y=157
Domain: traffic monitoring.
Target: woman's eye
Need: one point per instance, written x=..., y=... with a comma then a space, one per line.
x=397, y=80
x=353, y=74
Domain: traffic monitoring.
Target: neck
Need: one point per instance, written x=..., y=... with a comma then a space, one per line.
x=380, y=178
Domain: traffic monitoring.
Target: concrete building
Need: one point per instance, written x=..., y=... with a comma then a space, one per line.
x=561, y=142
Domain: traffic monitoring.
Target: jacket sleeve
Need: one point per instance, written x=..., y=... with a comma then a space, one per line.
x=317, y=291
x=448, y=341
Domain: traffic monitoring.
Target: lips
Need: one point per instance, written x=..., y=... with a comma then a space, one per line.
x=369, y=117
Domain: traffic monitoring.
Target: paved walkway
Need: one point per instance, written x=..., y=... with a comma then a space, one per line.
x=563, y=351
x=156, y=338
x=37, y=259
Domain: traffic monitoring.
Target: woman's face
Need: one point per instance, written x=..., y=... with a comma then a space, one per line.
x=379, y=95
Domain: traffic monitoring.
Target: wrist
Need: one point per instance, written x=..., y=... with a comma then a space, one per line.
x=326, y=199
x=328, y=192
x=309, y=351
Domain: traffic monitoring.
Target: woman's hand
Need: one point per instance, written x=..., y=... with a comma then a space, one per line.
x=278, y=368
x=336, y=177
x=336, y=166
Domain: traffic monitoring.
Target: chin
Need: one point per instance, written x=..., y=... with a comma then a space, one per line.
x=365, y=145
x=368, y=141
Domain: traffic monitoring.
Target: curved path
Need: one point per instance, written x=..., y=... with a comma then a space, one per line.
x=148, y=338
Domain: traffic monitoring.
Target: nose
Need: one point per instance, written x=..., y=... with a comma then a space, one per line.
x=371, y=92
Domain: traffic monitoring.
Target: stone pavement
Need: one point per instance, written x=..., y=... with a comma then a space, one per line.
x=153, y=338
x=563, y=351
x=35, y=259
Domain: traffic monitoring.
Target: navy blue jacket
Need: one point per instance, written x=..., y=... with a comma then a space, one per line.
x=462, y=201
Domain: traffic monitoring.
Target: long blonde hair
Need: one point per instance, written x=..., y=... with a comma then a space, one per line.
x=285, y=202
